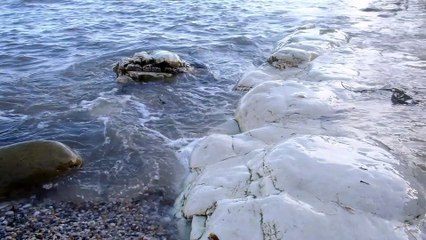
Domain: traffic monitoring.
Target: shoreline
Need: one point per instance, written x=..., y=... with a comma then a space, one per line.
x=296, y=169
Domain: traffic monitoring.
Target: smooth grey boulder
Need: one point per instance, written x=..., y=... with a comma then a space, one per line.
x=145, y=66
x=30, y=163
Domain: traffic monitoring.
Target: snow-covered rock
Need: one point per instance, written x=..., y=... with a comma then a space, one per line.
x=231, y=146
x=293, y=53
x=214, y=185
x=305, y=187
x=305, y=45
x=280, y=216
x=253, y=78
x=277, y=101
x=265, y=73
x=293, y=172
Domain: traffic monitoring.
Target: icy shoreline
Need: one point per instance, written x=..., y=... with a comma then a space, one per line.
x=291, y=174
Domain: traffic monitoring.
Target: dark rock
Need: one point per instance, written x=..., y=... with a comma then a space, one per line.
x=30, y=163
x=400, y=97
x=144, y=66
x=133, y=67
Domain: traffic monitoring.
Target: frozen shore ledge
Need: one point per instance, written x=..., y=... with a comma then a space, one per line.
x=286, y=175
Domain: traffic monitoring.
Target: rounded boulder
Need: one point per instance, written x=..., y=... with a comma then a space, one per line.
x=30, y=163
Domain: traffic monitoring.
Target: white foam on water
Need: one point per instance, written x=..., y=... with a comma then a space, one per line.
x=107, y=104
x=143, y=109
x=153, y=132
x=10, y=116
x=42, y=125
x=105, y=121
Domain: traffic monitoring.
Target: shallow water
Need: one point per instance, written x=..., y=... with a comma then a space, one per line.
x=57, y=81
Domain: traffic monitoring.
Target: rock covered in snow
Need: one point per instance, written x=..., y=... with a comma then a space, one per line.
x=253, y=78
x=263, y=74
x=214, y=185
x=276, y=101
x=299, y=48
x=145, y=66
x=293, y=52
x=298, y=188
x=289, y=175
x=305, y=45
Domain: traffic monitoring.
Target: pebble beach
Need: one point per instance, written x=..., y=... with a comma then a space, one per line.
x=114, y=219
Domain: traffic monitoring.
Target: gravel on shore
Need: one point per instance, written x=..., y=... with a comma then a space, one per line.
x=144, y=218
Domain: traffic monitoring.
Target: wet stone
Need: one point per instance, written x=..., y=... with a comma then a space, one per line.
x=146, y=66
x=133, y=67
x=400, y=97
x=9, y=213
x=32, y=163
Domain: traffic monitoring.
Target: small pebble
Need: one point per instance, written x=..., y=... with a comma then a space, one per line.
x=9, y=213
x=38, y=225
x=26, y=206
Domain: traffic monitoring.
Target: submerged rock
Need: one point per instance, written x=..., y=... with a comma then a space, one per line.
x=305, y=45
x=29, y=163
x=400, y=97
x=144, y=66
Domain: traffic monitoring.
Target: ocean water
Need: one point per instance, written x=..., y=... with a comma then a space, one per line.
x=56, y=79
